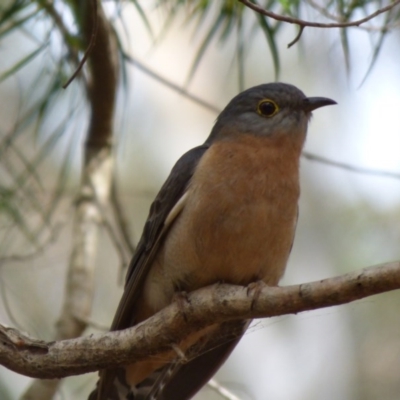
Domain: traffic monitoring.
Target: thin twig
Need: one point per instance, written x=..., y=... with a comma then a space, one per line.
x=221, y=390
x=297, y=38
x=304, y=23
x=349, y=167
x=323, y=11
x=171, y=85
x=89, y=49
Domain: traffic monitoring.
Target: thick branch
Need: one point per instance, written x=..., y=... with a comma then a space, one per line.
x=101, y=88
x=96, y=175
x=204, y=307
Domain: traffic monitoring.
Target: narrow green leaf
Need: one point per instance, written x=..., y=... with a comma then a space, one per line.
x=6, y=29
x=206, y=42
x=10, y=12
x=377, y=48
x=270, y=36
x=345, y=47
x=143, y=15
x=240, y=47
x=22, y=63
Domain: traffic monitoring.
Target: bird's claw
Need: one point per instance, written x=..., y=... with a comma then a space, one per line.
x=254, y=290
x=182, y=300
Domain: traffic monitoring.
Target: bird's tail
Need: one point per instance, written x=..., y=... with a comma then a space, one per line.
x=114, y=387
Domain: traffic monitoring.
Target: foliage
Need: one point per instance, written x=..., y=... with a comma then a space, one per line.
x=52, y=34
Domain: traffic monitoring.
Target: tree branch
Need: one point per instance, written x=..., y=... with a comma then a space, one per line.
x=205, y=307
x=350, y=167
x=89, y=49
x=302, y=23
x=101, y=88
x=324, y=11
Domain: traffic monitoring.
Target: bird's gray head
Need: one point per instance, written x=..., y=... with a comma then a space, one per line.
x=272, y=109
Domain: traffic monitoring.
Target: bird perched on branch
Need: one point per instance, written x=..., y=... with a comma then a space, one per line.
x=226, y=213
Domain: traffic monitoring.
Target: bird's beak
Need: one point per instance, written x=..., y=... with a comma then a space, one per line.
x=312, y=103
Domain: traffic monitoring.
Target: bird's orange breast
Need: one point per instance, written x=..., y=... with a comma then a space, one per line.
x=238, y=222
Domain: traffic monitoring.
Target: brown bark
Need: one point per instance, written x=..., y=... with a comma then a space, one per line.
x=102, y=80
x=204, y=307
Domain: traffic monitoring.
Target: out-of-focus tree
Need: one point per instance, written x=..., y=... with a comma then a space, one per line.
x=69, y=59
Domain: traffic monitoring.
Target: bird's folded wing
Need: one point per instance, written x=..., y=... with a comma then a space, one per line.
x=163, y=211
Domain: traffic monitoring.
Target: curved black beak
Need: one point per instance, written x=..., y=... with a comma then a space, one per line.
x=312, y=103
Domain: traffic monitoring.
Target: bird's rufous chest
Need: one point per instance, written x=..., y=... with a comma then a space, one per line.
x=239, y=217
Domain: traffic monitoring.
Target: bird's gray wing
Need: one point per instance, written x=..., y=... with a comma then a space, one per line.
x=169, y=195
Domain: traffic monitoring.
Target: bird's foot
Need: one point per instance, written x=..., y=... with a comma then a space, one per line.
x=182, y=301
x=254, y=290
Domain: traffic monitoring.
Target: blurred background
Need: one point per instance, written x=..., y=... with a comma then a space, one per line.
x=171, y=55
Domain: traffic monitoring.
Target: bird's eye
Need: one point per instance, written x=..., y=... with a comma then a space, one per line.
x=267, y=107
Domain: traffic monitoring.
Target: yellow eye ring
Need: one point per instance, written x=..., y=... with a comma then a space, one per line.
x=267, y=108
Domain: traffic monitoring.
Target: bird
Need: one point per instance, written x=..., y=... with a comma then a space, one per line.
x=226, y=213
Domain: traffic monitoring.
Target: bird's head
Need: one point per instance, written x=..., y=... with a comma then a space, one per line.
x=270, y=110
